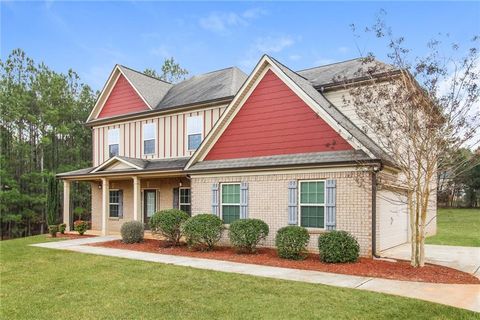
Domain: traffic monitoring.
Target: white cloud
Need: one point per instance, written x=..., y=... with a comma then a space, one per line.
x=222, y=22
x=266, y=45
x=343, y=50
x=273, y=44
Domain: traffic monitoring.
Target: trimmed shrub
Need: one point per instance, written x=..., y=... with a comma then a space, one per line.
x=169, y=223
x=80, y=226
x=203, y=231
x=245, y=234
x=53, y=229
x=132, y=232
x=338, y=247
x=62, y=227
x=291, y=242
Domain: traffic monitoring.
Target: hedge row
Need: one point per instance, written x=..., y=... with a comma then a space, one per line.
x=203, y=231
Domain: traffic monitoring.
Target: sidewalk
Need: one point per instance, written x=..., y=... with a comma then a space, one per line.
x=466, y=296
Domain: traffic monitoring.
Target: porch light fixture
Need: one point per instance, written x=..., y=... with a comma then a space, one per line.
x=180, y=184
x=99, y=186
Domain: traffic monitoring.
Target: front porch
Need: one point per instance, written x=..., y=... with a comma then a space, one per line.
x=125, y=189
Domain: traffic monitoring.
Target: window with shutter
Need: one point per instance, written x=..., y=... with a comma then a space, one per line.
x=312, y=204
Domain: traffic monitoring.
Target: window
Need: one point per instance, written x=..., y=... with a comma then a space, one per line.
x=149, y=138
x=194, y=132
x=312, y=204
x=230, y=202
x=185, y=200
x=116, y=203
x=113, y=142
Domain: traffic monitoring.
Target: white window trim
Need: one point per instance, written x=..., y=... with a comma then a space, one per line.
x=228, y=204
x=154, y=138
x=194, y=133
x=311, y=204
x=109, y=203
x=180, y=203
x=109, y=142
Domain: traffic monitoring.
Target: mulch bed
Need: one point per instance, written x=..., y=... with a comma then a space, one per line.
x=400, y=270
x=72, y=236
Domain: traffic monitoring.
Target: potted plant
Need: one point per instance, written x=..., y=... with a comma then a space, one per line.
x=53, y=229
x=80, y=226
x=62, y=227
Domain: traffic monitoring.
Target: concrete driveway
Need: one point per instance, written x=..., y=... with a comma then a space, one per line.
x=466, y=259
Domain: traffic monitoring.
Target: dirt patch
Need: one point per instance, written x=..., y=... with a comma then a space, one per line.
x=400, y=270
x=71, y=236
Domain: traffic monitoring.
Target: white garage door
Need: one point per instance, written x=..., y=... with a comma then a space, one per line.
x=393, y=216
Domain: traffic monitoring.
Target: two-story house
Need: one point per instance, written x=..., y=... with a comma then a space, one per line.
x=277, y=145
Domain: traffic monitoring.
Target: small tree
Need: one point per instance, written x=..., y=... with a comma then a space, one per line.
x=52, y=200
x=171, y=71
x=421, y=112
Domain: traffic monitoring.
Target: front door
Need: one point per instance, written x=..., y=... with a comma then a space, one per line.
x=149, y=205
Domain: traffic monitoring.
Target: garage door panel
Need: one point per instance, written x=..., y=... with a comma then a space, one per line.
x=393, y=219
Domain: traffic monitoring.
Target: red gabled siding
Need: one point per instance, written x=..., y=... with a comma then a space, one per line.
x=274, y=121
x=123, y=99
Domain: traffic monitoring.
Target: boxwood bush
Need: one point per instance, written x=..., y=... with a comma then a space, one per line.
x=291, y=242
x=203, y=231
x=132, y=232
x=245, y=234
x=168, y=223
x=338, y=247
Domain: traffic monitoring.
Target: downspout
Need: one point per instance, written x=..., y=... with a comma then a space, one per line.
x=374, y=209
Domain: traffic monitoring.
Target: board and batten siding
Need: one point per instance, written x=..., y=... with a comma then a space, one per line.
x=171, y=135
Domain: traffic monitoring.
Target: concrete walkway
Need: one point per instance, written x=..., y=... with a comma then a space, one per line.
x=466, y=259
x=457, y=295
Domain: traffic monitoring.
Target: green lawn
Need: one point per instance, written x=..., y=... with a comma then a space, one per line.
x=457, y=227
x=39, y=283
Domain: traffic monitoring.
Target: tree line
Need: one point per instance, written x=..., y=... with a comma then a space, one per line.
x=42, y=133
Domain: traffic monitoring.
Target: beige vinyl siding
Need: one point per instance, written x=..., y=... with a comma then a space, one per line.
x=170, y=136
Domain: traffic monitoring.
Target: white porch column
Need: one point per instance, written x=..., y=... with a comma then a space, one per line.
x=105, y=205
x=136, y=199
x=66, y=203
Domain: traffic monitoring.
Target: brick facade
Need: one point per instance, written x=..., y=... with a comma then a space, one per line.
x=268, y=200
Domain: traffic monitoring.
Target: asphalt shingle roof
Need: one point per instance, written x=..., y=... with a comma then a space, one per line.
x=345, y=71
x=205, y=87
x=152, y=90
x=200, y=88
x=145, y=165
x=330, y=157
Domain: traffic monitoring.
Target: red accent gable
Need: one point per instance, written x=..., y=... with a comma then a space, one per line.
x=123, y=99
x=273, y=121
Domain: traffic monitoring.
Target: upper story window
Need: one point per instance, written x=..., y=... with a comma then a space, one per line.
x=113, y=142
x=194, y=132
x=149, y=138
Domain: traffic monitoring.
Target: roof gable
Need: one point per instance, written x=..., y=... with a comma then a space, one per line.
x=302, y=87
x=274, y=120
x=121, y=163
x=122, y=99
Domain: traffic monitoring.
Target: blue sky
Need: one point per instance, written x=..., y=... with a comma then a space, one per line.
x=90, y=37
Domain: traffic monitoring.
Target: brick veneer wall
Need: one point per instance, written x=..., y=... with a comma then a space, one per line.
x=268, y=200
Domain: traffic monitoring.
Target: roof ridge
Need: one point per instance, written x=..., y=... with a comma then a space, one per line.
x=143, y=74
x=288, y=68
x=329, y=64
